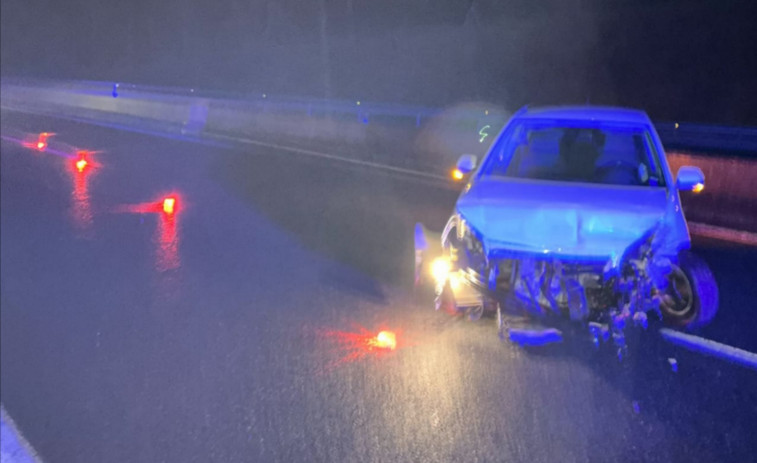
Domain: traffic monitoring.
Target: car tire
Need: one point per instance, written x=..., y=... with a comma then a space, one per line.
x=704, y=290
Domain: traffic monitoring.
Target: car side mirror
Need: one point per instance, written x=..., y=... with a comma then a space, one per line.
x=467, y=163
x=690, y=178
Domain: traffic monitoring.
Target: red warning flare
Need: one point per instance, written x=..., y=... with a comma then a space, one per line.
x=169, y=205
x=361, y=344
x=385, y=340
x=42, y=141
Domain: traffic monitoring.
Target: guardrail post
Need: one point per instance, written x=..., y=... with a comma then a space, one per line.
x=198, y=115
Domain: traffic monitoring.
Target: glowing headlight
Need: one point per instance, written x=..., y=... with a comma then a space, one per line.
x=454, y=281
x=440, y=269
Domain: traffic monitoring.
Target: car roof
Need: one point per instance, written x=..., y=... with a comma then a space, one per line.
x=586, y=113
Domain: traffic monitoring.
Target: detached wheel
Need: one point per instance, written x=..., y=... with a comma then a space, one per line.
x=691, y=299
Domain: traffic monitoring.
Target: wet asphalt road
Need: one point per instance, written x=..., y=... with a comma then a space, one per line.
x=233, y=333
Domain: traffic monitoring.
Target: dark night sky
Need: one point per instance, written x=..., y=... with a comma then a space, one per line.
x=689, y=60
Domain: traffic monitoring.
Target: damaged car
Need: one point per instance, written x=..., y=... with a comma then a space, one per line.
x=572, y=221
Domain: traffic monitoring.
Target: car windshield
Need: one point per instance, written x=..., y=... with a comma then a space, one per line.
x=574, y=152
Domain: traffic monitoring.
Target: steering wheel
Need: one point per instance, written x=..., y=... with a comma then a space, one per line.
x=618, y=171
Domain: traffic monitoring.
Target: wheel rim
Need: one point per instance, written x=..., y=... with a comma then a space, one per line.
x=679, y=300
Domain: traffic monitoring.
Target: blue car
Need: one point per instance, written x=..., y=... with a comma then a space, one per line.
x=572, y=218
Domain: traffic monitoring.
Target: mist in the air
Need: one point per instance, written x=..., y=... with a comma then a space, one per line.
x=507, y=53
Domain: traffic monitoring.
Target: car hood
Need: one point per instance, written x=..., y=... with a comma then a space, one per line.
x=561, y=219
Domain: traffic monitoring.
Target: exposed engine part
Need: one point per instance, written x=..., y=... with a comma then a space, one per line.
x=609, y=297
x=614, y=295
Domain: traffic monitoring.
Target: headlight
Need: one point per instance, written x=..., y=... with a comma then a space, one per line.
x=440, y=269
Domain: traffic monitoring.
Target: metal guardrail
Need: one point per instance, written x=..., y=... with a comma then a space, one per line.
x=300, y=103
x=708, y=137
x=714, y=139
x=674, y=135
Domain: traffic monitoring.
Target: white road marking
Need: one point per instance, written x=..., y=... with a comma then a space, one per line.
x=711, y=348
x=333, y=157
